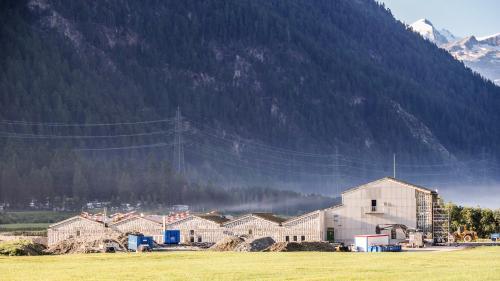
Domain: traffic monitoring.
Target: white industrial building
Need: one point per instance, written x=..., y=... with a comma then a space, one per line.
x=199, y=228
x=364, y=209
x=144, y=225
x=384, y=202
x=76, y=226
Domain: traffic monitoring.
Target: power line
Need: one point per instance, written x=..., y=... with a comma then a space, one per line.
x=41, y=136
x=126, y=147
x=51, y=124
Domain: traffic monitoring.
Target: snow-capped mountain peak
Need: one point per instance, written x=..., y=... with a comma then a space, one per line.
x=482, y=54
x=425, y=28
x=493, y=40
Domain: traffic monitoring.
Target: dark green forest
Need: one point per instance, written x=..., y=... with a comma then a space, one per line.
x=324, y=77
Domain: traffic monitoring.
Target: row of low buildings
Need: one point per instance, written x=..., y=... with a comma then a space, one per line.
x=363, y=209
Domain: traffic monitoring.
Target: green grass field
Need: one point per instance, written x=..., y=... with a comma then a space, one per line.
x=472, y=264
x=24, y=226
x=33, y=217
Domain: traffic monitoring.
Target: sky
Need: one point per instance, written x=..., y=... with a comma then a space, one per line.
x=461, y=17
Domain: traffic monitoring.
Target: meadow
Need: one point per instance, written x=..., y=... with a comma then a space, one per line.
x=470, y=264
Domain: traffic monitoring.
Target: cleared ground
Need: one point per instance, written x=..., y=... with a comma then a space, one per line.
x=470, y=264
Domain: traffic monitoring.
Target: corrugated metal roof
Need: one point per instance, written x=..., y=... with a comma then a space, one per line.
x=270, y=217
x=213, y=217
x=74, y=218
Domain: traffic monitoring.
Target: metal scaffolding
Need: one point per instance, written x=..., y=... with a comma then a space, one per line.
x=440, y=222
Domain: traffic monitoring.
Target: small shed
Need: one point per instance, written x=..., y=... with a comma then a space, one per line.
x=362, y=242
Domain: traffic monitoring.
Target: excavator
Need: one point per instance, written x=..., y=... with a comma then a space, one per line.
x=415, y=239
x=463, y=234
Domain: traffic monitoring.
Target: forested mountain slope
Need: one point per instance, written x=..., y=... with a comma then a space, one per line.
x=314, y=76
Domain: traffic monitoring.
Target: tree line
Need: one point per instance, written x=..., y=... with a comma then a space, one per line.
x=482, y=220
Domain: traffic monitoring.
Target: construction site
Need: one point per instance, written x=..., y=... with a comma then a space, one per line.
x=383, y=215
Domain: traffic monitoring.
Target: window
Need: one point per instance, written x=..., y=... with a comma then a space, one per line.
x=374, y=205
x=302, y=238
x=294, y=238
x=199, y=239
x=249, y=232
x=287, y=238
x=393, y=234
x=191, y=239
x=191, y=232
x=78, y=233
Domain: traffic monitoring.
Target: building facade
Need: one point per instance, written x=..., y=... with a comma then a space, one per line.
x=143, y=225
x=74, y=227
x=387, y=201
x=199, y=228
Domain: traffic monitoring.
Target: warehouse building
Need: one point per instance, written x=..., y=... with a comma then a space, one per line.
x=366, y=209
x=145, y=225
x=256, y=225
x=200, y=228
x=308, y=227
x=75, y=227
x=387, y=201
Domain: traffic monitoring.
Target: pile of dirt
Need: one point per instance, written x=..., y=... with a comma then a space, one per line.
x=201, y=245
x=227, y=244
x=318, y=246
x=303, y=246
x=21, y=248
x=255, y=245
x=285, y=247
x=84, y=246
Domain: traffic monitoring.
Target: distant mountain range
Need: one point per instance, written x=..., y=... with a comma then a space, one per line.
x=482, y=54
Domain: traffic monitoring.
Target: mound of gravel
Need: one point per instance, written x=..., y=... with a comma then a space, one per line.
x=227, y=244
x=285, y=247
x=318, y=246
x=255, y=245
x=86, y=246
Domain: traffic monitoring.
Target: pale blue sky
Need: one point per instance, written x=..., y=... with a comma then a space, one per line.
x=461, y=17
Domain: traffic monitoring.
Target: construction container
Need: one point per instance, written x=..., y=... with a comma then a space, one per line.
x=171, y=236
x=362, y=242
x=135, y=241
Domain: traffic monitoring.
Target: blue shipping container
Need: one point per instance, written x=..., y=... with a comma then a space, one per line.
x=385, y=248
x=172, y=236
x=134, y=241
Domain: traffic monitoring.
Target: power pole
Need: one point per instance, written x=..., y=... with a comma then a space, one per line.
x=336, y=173
x=394, y=165
x=178, y=145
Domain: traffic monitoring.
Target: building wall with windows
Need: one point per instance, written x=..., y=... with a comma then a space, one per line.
x=383, y=202
x=198, y=229
x=75, y=227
